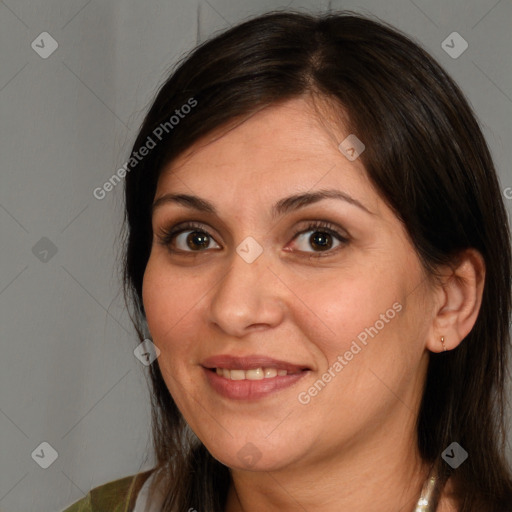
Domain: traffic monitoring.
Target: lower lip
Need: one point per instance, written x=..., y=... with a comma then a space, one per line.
x=250, y=389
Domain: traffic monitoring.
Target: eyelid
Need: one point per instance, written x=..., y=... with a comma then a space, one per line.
x=330, y=227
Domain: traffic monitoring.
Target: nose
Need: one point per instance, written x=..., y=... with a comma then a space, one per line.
x=247, y=298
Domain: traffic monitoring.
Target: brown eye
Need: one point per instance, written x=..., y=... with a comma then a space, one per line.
x=194, y=240
x=318, y=240
x=321, y=237
x=197, y=239
x=321, y=240
x=187, y=238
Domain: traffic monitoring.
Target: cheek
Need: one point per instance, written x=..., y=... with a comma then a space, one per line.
x=359, y=332
x=357, y=307
x=169, y=301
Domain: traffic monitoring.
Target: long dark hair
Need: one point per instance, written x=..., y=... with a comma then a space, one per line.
x=427, y=157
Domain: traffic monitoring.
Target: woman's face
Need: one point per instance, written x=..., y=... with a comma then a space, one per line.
x=319, y=332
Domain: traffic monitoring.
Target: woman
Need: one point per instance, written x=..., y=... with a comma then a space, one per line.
x=317, y=246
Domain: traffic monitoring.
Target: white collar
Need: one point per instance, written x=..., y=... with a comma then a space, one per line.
x=142, y=504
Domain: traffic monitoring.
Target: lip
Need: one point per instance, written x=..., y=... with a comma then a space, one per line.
x=251, y=389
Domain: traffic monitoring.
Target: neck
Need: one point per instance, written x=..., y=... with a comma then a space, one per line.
x=385, y=474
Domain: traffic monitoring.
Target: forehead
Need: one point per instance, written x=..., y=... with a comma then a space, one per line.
x=289, y=147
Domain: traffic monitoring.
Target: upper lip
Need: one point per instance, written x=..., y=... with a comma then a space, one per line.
x=250, y=362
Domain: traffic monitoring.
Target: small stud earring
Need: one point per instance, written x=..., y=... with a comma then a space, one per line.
x=442, y=342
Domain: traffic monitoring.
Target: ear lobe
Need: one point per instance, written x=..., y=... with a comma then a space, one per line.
x=460, y=297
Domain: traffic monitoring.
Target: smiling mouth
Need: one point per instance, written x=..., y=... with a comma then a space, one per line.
x=253, y=373
x=251, y=377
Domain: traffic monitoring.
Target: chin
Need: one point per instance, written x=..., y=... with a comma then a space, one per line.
x=253, y=457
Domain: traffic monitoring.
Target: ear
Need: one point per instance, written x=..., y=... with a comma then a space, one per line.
x=458, y=301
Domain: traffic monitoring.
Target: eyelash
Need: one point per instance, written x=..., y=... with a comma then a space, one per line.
x=166, y=236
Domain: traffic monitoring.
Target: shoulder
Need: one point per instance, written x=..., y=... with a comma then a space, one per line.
x=115, y=496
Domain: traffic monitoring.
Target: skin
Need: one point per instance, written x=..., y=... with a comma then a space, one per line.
x=353, y=446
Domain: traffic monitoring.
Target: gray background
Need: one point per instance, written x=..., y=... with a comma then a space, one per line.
x=68, y=373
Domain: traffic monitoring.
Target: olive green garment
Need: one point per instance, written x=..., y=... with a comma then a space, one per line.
x=116, y=496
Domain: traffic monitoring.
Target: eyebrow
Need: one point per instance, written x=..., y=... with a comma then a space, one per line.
x=283, y=206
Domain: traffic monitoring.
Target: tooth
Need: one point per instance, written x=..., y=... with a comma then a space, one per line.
x=270, y=372
x=237, y=374
x=252, y=374
x=256, y=374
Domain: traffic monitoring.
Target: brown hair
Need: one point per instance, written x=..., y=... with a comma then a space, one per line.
x=427, y=157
